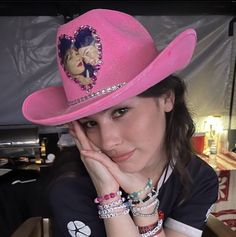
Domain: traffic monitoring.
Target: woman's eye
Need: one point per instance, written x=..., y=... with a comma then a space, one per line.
x=67, y=58
x=120, y=112
x=89, y=124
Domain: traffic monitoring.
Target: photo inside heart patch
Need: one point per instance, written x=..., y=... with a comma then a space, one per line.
x=81, y=56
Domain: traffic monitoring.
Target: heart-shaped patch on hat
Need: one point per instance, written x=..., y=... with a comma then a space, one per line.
x=81, y=56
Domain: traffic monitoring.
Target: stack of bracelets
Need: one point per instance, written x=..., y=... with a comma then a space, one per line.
x=135, y=204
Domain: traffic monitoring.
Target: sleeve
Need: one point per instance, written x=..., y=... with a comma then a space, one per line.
x=73, y=211
x=189, y=217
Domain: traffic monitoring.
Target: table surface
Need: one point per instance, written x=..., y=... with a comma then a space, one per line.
x=222, y=161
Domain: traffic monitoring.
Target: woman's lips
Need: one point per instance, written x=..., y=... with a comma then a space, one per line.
x=79, y=64
x=122, y=157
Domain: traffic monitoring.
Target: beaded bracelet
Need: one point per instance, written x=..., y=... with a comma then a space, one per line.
x=145, y=229
x=111, y=204
x=154, y=202
x=135, y=195
x=157, y=230
x=149, y=196
x=153, y=213
x=113, y=209
x=153, y=229
x=109, y=211
x=113, y=214
x=107, y=197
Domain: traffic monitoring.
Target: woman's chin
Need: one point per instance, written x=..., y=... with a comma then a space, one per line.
x=129, y=168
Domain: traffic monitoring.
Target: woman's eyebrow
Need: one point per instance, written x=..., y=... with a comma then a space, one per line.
x=100, y=113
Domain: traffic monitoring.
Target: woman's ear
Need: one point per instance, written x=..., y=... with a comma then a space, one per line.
x=168, y=101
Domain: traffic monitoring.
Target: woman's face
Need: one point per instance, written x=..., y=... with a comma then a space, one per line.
x=73, y=62
x=89, y=54
x=131, y=133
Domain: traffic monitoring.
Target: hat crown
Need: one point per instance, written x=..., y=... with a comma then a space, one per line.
x=104, y=58
x=100, y=50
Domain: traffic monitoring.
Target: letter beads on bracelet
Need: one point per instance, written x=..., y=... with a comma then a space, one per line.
x=113, y=209
x=153, y=229
x=157, y=230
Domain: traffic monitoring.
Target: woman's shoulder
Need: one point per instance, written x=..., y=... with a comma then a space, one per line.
x=199, y=167
x=203, y=176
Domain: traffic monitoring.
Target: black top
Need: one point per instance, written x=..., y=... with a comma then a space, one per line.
x=75, y=213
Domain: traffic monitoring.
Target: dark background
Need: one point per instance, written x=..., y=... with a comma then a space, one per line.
x=158, y=7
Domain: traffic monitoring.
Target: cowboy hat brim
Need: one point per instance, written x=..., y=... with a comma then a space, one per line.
x=52, y=101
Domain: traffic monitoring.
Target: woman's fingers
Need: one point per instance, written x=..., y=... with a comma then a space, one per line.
x=104, y=160
x=130, y=182
x=79, y=134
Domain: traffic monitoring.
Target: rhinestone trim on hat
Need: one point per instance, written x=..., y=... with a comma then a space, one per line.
x=96, y=94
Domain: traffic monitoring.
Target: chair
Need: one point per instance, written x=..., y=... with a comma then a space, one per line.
x=34, y=227
x=216, y=228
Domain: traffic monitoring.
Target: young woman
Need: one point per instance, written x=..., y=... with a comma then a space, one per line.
x=75, y=66
x=139, y=175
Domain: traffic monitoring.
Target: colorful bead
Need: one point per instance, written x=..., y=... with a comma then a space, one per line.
x=107, y=197
x=135, y=195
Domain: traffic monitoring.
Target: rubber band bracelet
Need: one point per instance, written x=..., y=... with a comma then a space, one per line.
x=107, y=197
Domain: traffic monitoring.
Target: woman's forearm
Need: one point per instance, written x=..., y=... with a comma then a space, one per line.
x=121, y=226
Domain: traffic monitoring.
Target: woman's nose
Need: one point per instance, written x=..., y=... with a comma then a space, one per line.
x=110, y=137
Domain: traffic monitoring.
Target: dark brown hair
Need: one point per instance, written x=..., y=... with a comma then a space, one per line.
x=179, y=126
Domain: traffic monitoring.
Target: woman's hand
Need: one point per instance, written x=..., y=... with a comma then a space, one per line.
x=102, y=178
x=105, y=174
x=129, y=182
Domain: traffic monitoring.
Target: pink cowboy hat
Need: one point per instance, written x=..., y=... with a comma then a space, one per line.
x=104, y=58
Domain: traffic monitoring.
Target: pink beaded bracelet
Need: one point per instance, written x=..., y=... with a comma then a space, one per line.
x=107, y=197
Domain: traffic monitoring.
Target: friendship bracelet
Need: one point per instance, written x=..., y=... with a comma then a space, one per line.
x=145, y=229
x=135, y=195
x=157, y=230
x=114, y=214
x=107, y=197
x=110, y=209
x=106, y=211
x=111, y=204
x=149, y=196
x=144, y=207
x=153, y=213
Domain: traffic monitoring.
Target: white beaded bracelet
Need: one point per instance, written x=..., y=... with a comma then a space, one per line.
x=155, y=231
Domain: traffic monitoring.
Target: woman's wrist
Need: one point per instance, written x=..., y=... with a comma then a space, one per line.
x=102, y=190
x=106, y=198
x=144, y=205
x=151, y=230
